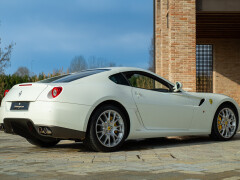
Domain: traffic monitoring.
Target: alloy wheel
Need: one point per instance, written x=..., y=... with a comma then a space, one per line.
x=110, y=128
x=226, y=123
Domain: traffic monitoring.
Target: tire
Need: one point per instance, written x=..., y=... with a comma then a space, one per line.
x=40, y=143
x=107, y=130
x=225, y=123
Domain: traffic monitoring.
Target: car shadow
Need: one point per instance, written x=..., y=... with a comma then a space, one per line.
x=153, y=143
x=170, y=142
x=75, y=145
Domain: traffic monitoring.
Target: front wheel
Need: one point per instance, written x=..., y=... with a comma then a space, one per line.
x=225, y=123
x=107, y=129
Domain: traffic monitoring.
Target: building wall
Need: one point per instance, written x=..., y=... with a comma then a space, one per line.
x=175, y=49
x=161, y=39
x=176, y=41
x=226, y=66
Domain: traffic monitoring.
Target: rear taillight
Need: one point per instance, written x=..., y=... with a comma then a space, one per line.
x=5, y=92
x=56, y=91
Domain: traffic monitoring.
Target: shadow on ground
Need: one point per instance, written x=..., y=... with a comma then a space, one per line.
x=144, y=144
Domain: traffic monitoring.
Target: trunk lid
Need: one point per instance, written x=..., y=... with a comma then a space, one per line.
x=25, y=92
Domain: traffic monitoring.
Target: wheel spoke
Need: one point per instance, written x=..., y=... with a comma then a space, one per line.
x=227, y=131
x=115, y=138
x=105, y=117
x=227, y=126
x=118, y=126
x=232, y=125
x=118, y=130
x=110, y=128
x=117, y=119
x=114, y=117
x=101, y=136
x=101, y=125
x=223, y=113
x=100, y=131
x=109, y=141
x=223, y=130
x=227, y=114
x=105, y=140
x=100, y=119
x=109, y=116
x=232, y=120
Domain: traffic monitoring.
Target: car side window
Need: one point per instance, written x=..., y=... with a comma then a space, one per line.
x=119, y=79
x=143, y=81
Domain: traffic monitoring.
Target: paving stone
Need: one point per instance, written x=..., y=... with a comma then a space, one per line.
x=232, y=178
x=181, y=156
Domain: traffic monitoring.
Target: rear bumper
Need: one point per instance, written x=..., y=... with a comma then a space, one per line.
x=1, y=114
x=53, y=114
x=27, y=129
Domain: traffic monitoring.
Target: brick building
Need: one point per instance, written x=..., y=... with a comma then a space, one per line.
x=197, y=42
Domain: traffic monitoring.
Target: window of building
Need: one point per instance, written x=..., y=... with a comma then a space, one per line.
x=204, y=61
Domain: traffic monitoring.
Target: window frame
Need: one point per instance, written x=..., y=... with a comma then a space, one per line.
x=149, y=76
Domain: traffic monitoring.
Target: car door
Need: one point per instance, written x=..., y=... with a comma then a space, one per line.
x=158, y=105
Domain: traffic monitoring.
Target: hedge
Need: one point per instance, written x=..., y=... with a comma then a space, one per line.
x=8, y=81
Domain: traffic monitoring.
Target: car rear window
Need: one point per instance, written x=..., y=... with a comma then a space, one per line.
x=73, y=77
x=49, y=80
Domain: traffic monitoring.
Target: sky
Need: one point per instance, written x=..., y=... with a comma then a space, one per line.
x=50, y=33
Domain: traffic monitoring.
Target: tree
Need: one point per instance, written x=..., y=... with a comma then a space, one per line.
x=78, y=64
x=98, y=62
x=22, y=71
x=151, y=56
x=58, y=72
x=5, y=57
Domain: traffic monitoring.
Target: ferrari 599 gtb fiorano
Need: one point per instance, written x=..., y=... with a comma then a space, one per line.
x=105, y=107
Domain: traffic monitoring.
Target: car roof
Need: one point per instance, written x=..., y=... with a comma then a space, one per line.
x=121, y=69
x=114, y=70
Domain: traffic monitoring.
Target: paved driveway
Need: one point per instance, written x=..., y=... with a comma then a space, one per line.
x=169, y=158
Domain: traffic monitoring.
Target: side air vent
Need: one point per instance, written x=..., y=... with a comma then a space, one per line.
x=201, y=102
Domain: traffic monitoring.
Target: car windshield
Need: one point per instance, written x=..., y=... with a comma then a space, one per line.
x=72, y=77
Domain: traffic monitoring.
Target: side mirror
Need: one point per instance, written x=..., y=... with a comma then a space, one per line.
x=178, y=86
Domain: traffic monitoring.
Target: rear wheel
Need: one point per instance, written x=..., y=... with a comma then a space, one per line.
x=107, y=129
x=40, y=143
x=225, y=123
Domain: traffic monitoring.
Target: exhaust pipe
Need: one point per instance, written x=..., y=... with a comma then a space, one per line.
x=2, y=127
x=45, y=130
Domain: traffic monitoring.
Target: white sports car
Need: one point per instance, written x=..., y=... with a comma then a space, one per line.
x=105, y=107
